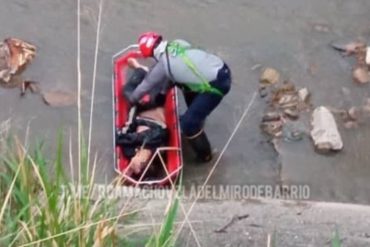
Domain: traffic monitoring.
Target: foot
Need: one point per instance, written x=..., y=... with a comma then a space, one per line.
x=201, y=147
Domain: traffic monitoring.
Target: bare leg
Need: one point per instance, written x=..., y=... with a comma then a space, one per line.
x=133, y=63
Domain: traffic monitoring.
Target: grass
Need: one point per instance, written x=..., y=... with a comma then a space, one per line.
x=42, y=206
x=38, y=205
x=44, y=209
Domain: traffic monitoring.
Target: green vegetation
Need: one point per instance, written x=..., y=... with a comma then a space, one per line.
x=42, y=207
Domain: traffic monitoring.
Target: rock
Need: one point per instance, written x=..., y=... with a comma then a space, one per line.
x=59, y=98
x=350, y=125
x=367, y=59
x=324, y=133
x=354, y=113
x=361, y=75
x=270, y=76
x=303, y=94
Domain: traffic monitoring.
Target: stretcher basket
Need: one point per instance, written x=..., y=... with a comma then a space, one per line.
x=169, y=156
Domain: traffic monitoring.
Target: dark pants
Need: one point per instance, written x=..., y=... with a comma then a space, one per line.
x=200, y=105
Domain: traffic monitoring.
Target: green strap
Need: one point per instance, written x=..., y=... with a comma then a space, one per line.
x=177, y=49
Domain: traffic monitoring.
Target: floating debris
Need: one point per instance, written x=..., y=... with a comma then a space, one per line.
x=324, y=133
x=59, y=98
x=270, y=76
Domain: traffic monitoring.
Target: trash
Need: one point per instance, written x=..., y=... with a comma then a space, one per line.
x=303, y=94
x=269, y=76
x=361, y=75
x=292, y=113
x=59, y=98
x=15, y=54
x=324, y=133
x=272, y=124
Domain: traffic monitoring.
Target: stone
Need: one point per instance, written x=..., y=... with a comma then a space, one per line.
x=303, y=94
x=350, y=125
x=354, y=113
x=324, y=133
x=270, y=76
x=361, y=75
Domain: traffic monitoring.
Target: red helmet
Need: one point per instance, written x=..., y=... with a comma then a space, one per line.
x=147, y=41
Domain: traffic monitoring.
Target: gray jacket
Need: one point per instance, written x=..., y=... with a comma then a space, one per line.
x=177, y=70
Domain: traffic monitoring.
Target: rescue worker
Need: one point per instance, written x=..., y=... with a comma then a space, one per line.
x=203, y=77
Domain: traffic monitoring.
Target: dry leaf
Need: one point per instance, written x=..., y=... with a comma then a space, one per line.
x=59, y=98
x=270, y=76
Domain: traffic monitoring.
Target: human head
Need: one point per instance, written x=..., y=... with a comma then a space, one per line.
x=148, y=42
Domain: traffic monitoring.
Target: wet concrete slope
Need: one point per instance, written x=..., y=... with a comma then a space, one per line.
x=279, y=34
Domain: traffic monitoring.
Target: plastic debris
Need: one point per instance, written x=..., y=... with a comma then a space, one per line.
x=324, y=133
x=270, y=76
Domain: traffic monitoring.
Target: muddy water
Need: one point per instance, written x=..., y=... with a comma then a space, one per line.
x=245, y=33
